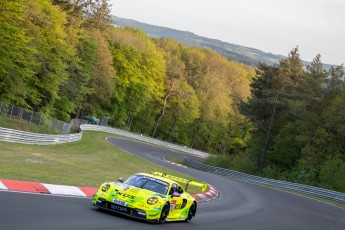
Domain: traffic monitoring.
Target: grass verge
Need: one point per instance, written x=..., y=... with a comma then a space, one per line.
x=88, y=162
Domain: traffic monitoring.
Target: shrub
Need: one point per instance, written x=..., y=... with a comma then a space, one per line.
x=332, y=174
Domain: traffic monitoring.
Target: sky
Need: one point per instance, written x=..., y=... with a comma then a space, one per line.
x=273, y=26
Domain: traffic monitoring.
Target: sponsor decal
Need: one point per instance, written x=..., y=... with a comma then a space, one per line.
x=120, y=202
x=156, y=180
x=119, y=208
x=125, y=195
x=172, y=205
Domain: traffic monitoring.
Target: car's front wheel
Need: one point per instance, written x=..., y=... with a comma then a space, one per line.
x=164, y=214
x=191, y=212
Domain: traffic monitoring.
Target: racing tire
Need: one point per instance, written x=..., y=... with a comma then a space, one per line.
x=191, y=212
x=164, y=214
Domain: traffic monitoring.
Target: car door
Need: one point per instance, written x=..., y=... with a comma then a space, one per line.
x=175, y=202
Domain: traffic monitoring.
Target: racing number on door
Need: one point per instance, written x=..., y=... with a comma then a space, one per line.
x=172, y=205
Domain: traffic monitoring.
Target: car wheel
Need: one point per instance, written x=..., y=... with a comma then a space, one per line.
x=164, y=214
x=191, y=212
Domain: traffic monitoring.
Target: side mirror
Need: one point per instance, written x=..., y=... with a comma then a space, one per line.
x=121, y=179
x=176, y=194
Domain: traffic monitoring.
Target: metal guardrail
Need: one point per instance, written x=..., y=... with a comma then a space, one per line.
x=17, y=136
x=295, y=187
x=145, y=139
x=11, y=135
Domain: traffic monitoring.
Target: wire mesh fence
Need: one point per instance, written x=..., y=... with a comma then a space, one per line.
x=41, y=120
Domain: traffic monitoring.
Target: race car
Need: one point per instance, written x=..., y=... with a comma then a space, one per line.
x=154, y=197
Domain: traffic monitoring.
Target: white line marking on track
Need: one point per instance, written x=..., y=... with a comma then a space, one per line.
x=202, y=196
x=45, y=194
x=64, y=190
x=2, y=186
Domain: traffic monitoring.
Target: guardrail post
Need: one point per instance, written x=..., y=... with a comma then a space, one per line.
x=32, y=114
x=11, y=111
x=39, y=123
x=21, y=114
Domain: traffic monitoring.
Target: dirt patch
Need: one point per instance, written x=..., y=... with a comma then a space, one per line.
x=34, y=161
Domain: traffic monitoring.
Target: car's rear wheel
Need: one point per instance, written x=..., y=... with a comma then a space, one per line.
x=191, y=212
x=164, y=214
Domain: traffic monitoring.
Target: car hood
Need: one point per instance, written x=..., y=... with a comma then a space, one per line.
x=129, y=193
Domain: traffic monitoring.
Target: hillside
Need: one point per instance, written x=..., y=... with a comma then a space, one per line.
x=247, y=55
x=243, y=54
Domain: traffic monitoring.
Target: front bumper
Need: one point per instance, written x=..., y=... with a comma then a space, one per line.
x=133, y=212
x=128, y=211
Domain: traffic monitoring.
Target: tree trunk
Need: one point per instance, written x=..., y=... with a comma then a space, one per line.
x=267, y=142
x=207, y=141
x=130, y=121
x=146, y=121
x=172, y=128
x=163, y=109
x=227, y=139
x=196, y=132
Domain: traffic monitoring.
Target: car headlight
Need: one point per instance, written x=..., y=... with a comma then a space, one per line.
x=105, y=187
x=152, y=200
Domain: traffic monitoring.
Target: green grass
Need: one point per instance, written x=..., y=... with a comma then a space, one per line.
x=6, y=122
x=88, y=162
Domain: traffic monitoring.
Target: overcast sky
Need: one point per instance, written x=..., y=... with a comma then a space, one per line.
x=275, y=26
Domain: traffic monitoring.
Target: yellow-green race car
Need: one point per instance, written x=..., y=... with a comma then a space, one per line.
x=155, y=197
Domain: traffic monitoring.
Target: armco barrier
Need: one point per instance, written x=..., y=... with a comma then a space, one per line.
x=145, y=139
x=11, y=135
x=17, y=136
x=299, y=188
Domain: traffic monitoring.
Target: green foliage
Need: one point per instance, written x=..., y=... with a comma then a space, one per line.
x=17, y=62
x=286, y=148
x=241, y=162
x=306, y=130
x=140, y=74
x=102, y=76
x=332, y=174
x=273, y=94
x=45, y=25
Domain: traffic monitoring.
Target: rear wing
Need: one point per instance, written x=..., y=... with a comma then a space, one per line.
x=181, y=180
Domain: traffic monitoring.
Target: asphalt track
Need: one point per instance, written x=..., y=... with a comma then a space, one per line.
x=240, y=206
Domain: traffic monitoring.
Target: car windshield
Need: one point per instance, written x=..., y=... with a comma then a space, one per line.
x=149, y=183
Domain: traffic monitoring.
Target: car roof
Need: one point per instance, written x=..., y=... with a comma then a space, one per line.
x=158, y=177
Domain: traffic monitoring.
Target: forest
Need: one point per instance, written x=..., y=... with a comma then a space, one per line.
x=65, y=58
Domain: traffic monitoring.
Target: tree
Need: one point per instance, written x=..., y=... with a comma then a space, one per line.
x=17, y=57
x=272, y=93
x=175, y=69
x=46, y=25
x=140, y=70
x=102, y=76
x=97, y=13
x=183, y=109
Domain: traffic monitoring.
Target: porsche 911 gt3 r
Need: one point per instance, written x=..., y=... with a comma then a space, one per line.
x=155, y=197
